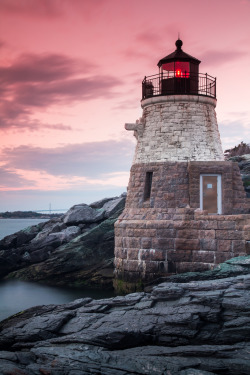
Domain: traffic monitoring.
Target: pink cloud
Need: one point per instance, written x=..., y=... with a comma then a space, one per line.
x=51, y=8
x=40, y=68
x=220, y=57
x=65, y=91
x=40, y=81
x=27, y=7
x=93, y=159
x=9, y=178
x=148, y=38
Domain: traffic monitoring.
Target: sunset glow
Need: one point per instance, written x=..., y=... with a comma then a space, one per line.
x=71, y=73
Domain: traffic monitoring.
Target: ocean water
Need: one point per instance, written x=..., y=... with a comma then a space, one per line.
x=16, y=296
x=10, y=226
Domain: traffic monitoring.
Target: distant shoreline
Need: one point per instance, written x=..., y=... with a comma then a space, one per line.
x=27, y=215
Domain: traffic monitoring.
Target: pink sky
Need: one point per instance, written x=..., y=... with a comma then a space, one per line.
x=71, y=74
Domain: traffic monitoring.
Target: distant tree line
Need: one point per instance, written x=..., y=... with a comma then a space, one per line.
x=26, y=215
x=242, y=149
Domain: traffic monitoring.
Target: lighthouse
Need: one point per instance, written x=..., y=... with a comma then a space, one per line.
x=186, y=208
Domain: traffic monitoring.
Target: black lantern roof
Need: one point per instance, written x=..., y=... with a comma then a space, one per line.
x=179, y=55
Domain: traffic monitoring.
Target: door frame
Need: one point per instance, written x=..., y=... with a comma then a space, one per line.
x=219, y=192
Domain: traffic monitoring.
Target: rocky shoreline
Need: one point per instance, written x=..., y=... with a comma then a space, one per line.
x=179, y=328
x=76, y=249
x=244, y=165
x=190, y=324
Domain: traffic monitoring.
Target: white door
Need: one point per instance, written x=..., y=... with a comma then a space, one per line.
x=210, y=193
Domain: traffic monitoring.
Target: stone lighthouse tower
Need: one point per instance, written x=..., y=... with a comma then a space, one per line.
x=186, y=207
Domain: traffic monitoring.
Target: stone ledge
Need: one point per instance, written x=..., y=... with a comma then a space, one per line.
x=178, y=98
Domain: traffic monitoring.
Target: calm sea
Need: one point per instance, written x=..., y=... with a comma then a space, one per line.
x=10, y=226
x=18, y=295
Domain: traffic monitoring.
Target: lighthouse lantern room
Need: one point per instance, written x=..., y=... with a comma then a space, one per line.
x=179, y=74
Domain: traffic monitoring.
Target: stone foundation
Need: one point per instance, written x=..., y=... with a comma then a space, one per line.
x=168, y=233
x=183, y=240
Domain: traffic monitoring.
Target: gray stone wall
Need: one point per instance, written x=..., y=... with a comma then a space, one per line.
x=177, y=128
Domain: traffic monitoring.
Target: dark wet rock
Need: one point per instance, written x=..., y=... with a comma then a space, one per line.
x=22, y=237
x=52, y=226
x=87, y=260
x=76, y=249
x=244, y=165
x=197, y=327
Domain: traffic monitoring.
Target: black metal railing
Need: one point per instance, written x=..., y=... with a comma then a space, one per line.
x=187, y=84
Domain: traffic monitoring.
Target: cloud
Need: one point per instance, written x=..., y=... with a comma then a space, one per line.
x=127, y=104
x=148, y=38
x=89, y=160
x=15, y=115
x=46, y=8
x=50, y=9
x=151, y=45
x=135, y=53
x=39, y=81
x=40, y=68
x=144, y=44
x=90, y=167
x=217, y=58
x=9, y=177
x=65, y=92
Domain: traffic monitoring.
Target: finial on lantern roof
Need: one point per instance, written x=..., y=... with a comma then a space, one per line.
x=178, y=44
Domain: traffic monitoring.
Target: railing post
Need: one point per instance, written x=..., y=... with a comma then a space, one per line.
x=174, y=82
x=215, y=87
x=160, y=83
x=143, y=87
x=206, y=84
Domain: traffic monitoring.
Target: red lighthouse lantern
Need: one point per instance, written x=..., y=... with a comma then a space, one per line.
x=179, y=72
x=178, y=75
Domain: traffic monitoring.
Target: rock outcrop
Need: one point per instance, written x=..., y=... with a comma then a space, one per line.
x=76, y=249
x=244, y=165
x=187, y=327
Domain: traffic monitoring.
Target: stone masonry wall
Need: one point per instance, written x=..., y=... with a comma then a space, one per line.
x=177, y=128
x=234, y=199
x=177, y=185
x=186, y=240
x=170, y=186
x=168, y=233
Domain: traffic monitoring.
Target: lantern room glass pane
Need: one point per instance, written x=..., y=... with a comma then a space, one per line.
x=168, y=66
x=180, y=68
